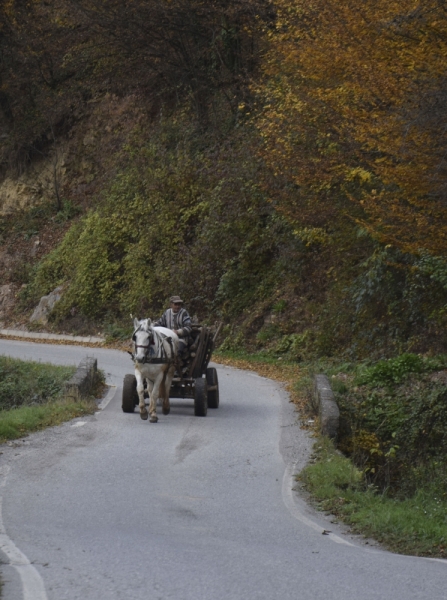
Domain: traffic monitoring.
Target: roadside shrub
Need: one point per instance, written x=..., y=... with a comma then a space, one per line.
x=410, y=525
x=25, y=383
x=294, y=346
x=118, y=331
x=267, y=334
x=394, y=422
x=393, y=370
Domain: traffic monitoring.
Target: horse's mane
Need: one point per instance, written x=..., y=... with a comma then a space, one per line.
x=147, y=324
x=143, y=325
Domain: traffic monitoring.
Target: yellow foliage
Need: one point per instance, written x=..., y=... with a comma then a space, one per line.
x=311, y=235
x=355, y=96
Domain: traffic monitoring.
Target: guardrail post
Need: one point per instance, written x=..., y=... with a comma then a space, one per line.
x=327, y=407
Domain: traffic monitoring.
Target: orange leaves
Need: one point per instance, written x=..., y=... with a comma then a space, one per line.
x=372, y=76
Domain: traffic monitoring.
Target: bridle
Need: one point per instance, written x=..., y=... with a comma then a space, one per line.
x=134, y=339
x=164, y=358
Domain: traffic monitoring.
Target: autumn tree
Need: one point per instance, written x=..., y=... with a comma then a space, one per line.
x=39, y=84
x=57, y=55
x=355, y=116
x=178, y=47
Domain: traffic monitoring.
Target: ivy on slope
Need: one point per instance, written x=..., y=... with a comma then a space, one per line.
x=177, y=218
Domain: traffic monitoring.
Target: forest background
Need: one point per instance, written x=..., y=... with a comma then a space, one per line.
x=281, y=165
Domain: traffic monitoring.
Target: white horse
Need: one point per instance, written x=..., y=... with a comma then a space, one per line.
x=156, y=350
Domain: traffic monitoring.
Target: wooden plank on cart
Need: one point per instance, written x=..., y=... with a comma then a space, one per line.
x=196, y=365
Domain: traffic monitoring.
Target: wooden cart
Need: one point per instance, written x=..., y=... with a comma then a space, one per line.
x=197, y=380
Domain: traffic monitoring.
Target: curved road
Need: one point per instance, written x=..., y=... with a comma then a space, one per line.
x=110, y=507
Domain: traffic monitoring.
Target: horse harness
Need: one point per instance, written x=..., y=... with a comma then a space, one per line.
x=164, y=358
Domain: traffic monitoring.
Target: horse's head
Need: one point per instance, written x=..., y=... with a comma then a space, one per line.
x=142, y=338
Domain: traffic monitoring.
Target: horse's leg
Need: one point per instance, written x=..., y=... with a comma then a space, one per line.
x=164, y=390
x=153, y=399
x=152, y=402
x=166, y=406
x=140, y=391
x=149, y=388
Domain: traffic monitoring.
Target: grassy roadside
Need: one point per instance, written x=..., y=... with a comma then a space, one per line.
x=18, y=422
x=416, y=525
x=386, y=484
x=31, y=398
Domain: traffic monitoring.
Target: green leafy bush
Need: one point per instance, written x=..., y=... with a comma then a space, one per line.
x=68, y=211
x=394, y=421
x=294, y=345
x=24, y=383
x=393, y=370
x=179, y=216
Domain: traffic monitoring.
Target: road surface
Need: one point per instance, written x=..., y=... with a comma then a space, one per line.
x=109, y=507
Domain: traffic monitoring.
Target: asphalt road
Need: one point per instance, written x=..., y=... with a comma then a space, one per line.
x=109, y=507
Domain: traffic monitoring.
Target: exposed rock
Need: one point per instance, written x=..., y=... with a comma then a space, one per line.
x=89, y=139
x=270, y=319
x=36, y=184
x=35, y=248
x=6, y=259
x=45, y=306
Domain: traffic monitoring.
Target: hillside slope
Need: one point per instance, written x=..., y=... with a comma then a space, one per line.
x=226, y=153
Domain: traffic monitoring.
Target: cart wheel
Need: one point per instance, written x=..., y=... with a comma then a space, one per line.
x=212, y=381
x=129, y=394
x=200, y=397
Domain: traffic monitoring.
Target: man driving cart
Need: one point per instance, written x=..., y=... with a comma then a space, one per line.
x=177, y=318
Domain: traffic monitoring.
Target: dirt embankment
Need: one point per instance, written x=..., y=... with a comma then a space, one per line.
x=39, y=205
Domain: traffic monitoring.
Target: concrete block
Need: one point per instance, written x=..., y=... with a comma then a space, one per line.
x=82, y=382
x=328, y=411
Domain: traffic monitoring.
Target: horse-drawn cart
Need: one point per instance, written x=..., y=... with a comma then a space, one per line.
x=193, y=379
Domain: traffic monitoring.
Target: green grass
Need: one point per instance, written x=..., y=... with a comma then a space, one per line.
x=410, y=518
x=416, y=525
x=31, y=397
x=30, y=383
x=18, y=422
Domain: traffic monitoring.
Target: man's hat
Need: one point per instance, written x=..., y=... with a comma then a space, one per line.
x=175, y=299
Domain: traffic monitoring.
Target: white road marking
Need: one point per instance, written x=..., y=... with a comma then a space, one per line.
x=32, y=583
x=288, y=482
x=110, y=395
